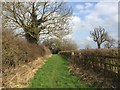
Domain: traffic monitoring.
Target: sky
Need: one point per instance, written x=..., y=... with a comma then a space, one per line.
x=89, y=15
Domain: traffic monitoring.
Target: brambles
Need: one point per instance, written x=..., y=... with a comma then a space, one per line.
x=102, y=61
x=16, y=50
x=20, y=59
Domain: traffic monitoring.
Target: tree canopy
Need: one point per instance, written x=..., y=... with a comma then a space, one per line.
x=38, y=18
x=99, y=35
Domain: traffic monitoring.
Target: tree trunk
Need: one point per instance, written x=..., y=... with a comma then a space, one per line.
x=99, y=46
x=31, y=39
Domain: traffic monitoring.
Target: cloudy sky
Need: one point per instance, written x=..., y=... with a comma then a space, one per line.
x=88, y=15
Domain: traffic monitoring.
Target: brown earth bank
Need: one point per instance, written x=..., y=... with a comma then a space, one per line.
x=20, y=59
x=19, y=77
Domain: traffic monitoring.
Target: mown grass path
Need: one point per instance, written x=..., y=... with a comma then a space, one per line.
x=55, y=74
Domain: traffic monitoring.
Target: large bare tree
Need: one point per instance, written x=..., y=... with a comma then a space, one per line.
x=99, y=35
x=38, y=18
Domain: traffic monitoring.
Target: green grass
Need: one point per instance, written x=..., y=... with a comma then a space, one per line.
x=55, y=74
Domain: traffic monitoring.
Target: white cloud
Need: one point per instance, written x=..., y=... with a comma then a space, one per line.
x=75, y=22
x=75, y=19
x=84, y=11
x=103, y=14
x=80, y=7
x=108, y=8
x=114, y=35
x=88, y=5
x=89, y=38
x=84, y=6
x=93, y=20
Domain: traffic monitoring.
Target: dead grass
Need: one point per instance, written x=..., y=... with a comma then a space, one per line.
x=19, y=77
x=96, y=80
x=20, y=60
x=16, y=51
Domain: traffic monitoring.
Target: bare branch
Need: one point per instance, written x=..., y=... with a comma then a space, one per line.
x=99, y=35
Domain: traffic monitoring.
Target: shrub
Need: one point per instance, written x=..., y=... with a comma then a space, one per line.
x=16, y=50
x=106, y=62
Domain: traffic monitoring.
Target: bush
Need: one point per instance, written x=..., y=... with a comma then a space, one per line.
x=100, y=59
x=16, y=50
x=106, y=62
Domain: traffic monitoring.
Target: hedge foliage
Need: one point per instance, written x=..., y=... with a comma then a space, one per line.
x=103, y=61
x=17, y=50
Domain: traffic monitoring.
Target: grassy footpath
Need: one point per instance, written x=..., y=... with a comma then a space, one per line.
x=55, y=74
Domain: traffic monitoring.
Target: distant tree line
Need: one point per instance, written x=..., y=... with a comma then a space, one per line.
x=56, y=45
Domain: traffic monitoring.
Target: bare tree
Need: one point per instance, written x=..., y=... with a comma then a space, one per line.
x=99, y=36
x=52, y=43
x=68, y=44
x=38, y=18
x=110, y=43
x=56, y=44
